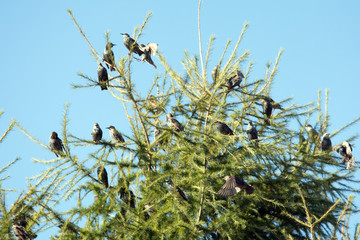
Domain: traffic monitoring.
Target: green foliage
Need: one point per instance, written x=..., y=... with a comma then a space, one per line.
x=300, y=191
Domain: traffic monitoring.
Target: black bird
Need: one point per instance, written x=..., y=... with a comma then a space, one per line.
x=148, y=50
x=251, y=132
x=96, y=133
x=326, y=142
x=214, y=73
x=108, y=56
x=131, y=45
x=267, y=110
x=234, y=185
x=56, y=145
x=102, y=77
x=223, y=128
x=127, y=196
x=345, y=150
x=173, y=123
x=170, y=187
x=103, y=176
x=234, y=80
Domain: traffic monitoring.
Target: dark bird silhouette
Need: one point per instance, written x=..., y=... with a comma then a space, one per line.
x=127, y=196
x=103, y=176
x=131, y=45
x=96, y=133
x=56, y=145
x=234, y=80
x=267, y=110
x=170, y=186
x=223, y=128
x=173, y=123
x=326, y=142
x=251, y=132
x=234, y=185
x=102, y=77
x=115, y=135
x=345, y=150
x=108, y=56
x=148, y=50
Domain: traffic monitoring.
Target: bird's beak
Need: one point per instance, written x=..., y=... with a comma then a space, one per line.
x=107, y=127
x=122, y=33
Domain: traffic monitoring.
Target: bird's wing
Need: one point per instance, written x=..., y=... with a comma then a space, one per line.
x=181, y=193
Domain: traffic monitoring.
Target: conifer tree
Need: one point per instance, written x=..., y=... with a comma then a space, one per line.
x=294, y=190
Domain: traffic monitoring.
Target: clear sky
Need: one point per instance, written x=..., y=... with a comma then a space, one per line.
x=42, y=52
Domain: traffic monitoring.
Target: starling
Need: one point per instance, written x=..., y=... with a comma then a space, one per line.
x=102, y=77
x=326, y=142
x=267, y=110
x=251, y=132
x=103, y=176
x=149, y=209
x=96, y=133
x=345, y=150
x=170, y=187
x=235, y=80
x=234, y=185
x=157, y=133
x=173, y=123
x=108, y=56
x=127, y=196
x=115, y=135
x=312, y=133
x=131, y=45
x=223, y=128
x=21, y=233
x=148, y=50
x=56, y=145
x=214, y=73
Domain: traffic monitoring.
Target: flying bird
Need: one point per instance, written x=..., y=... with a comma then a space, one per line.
x=96, y=133
x=103, y=176
x=235, y=80
x=267, y=110
x=148, y=50
x=108, y=56
x=251, y=132
x=326, y=142
x=56, y=145
x=223, y=128
x=345, y=150
x=170, y=186
x=234, y=185
x=173, y=123
x=115, y=135
x=214, y=73
x=131, y=45
x=102, y=77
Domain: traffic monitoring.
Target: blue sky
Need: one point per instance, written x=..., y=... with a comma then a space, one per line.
x=42, y=52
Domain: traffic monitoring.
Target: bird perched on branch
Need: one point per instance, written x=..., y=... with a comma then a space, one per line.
x=312, y=133
x=102, y=77
x=170, y=186
x=19, y=228
x=131, y=45
x=103, y=176
x=127, y=196
x=56, y=145
x=267, y=110
x=223, y=128
x=96, y=133
x=345, y=150
x=326, y=142
x=108, y=56
x=115, y=135
x=251, y=132
x=214, y=73
x=148, y=50
x=173, y=123
x=235, y=80
x=234, y=185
